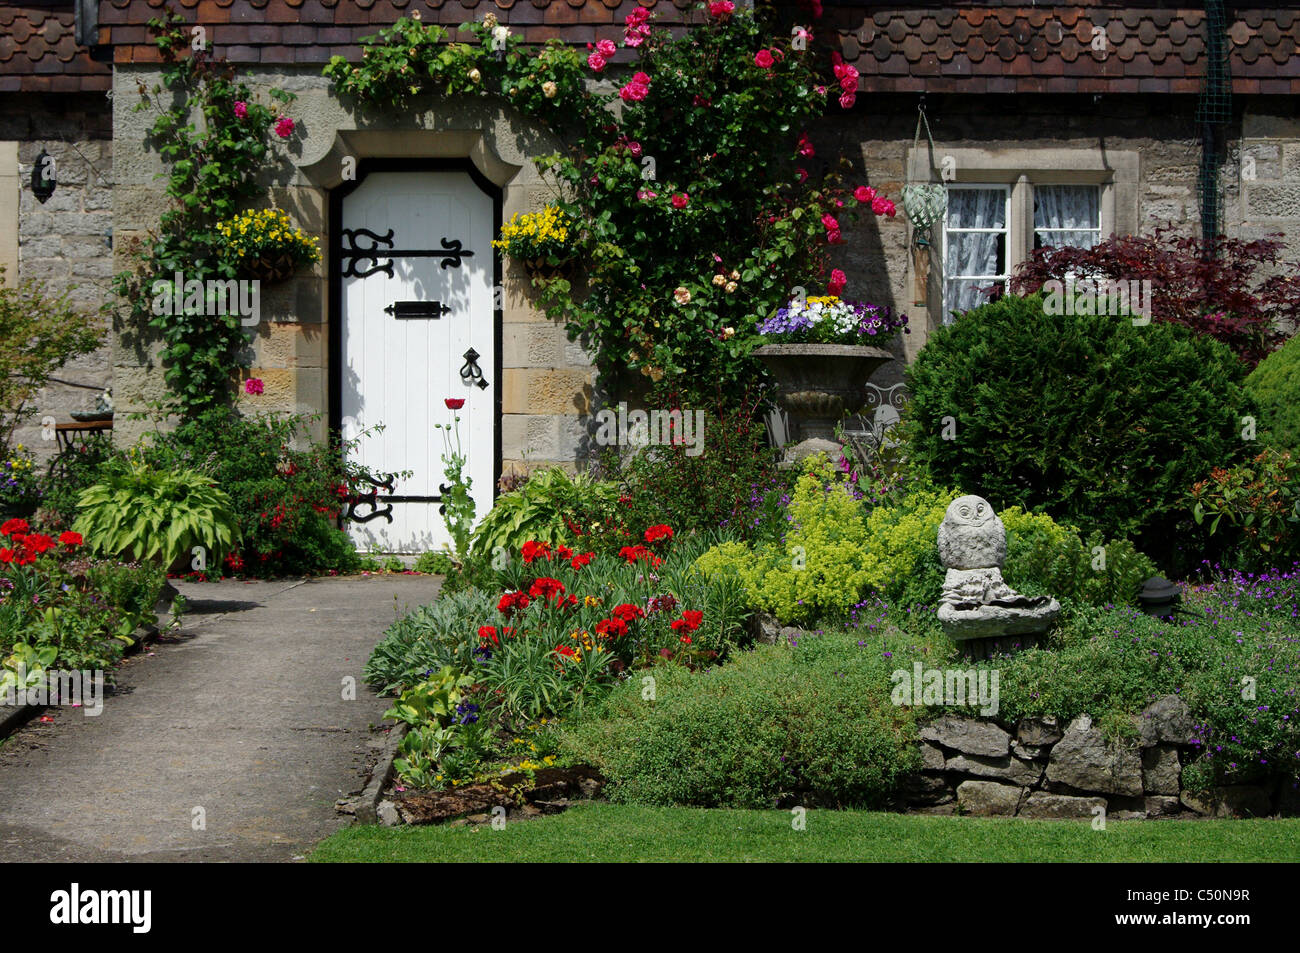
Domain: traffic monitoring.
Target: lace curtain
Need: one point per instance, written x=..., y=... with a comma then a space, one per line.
x=974, y=260
x=1067, y=215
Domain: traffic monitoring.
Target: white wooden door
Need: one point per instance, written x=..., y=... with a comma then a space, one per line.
x=414, y=311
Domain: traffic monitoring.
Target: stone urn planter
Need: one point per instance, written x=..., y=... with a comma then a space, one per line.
x=818, y=384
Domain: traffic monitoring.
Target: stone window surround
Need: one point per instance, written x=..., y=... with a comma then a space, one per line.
x=1116, y=171
x=10, y=192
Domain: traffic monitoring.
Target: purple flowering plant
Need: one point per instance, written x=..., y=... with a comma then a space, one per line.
x=828, y=319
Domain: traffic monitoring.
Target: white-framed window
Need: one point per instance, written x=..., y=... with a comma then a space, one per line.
x=1067, y=215
x=976, y=241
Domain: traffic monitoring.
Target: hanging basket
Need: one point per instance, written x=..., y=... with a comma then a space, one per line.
x=924, y=204
x=541, y=269
x=271, y=269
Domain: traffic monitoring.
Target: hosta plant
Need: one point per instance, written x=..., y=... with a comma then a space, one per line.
x=155, y=515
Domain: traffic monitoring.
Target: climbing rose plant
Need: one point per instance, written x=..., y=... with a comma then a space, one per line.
x=689, y=179
x=212, y=169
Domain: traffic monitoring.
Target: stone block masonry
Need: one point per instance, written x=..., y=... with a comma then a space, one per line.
x=1039, y=768
x=66, y=241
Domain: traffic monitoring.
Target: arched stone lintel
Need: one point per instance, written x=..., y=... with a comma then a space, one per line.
x=327, y=172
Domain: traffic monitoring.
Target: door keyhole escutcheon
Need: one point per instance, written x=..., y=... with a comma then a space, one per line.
x=470, y=372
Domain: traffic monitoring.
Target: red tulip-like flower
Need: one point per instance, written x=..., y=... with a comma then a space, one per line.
x=454, y=403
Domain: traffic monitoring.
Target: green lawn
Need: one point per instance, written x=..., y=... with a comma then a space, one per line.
x=607, y=832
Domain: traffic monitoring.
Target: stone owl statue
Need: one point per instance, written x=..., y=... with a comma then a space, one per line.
x=971, y=536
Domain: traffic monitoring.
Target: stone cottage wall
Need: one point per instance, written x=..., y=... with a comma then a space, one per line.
x=548, y=384
x=67, y=241
x=547, y=381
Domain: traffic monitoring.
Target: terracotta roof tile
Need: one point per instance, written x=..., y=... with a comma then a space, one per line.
x=1000, y=45
x=37, y=42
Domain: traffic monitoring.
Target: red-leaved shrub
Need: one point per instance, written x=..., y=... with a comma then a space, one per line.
x=1221, y=295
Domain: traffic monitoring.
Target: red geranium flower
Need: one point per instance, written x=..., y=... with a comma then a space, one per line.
x=581, y=560
x=11, y=527
x=38, y=542
x=545, y=587
x=69, y=538
x=487, y=633
x=656, y=533
x=6, y=555
x=512, y=601
x=627, y=612
x=689, y=622
x=612, y=628
x=532, y=550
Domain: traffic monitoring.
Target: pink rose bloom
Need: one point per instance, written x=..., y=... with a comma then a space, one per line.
x=864, y=193
x=819, y=90
x=680, y=199
x=833, y=238
x=721, y=8
x=634, y=91
x=805, y=147
x=606, y=48
x=596, y=62
x=828, y=220
x=241, y=108
x=764, y=59
x=284, y=127
x=253, y=385
x=879, y=205
x=837, y=282
x=847, y=100
x=635, y=149
x=645, y=194
x=635, y=29
x=803, y=174
x=890, y=208
x=849, y=81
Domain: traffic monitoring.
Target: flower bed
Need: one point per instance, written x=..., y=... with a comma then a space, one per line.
x=60, y=608
x=484, y=675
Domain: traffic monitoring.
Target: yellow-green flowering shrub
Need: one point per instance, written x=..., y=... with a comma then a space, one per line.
x=905, y=545
x=820, y=568
x=1043, y=557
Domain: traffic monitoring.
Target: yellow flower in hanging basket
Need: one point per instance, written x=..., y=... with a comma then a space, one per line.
x=266, y=245
x=541, y=240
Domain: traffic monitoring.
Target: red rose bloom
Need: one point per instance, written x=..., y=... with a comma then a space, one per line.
x=763, y=59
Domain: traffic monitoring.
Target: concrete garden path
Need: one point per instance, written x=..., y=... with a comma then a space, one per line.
x=239, y=714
